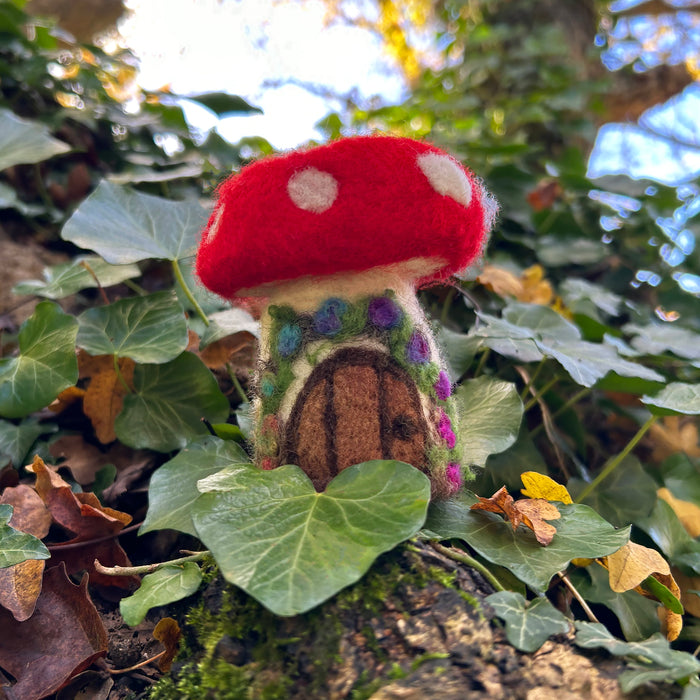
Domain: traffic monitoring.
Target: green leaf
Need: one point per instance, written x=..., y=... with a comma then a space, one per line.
x=46, y=364
x=68, y=278
x=554, y=251
x=149, y=329
x=505, y=468
x=16, y=546
x=25, y=142
x=290, y=547
x=628, y=494
x=490, y=414
x=635, y=613
x=657, y=338
x=681, y=477
x=661, y=662
x=228, y=322
x=460, y=349
x=223, y=104
x=15, y=440
x=528, y=625
x=663, y=594
x=166, y=585
x=173, y=487
x=675, y=398
x=666, y=530
x=581, y=532
x=169, y=401
x=528, y=332
x=125, y=226
x=574, y=290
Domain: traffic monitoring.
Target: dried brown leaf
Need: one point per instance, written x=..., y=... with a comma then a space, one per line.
x=83, y=459
x=168, y=633
x=95, y=528
x=29, y=512
x=105, y=393
x=20, y=586
x=534, y=512
x=530, y=512
x=64, y=636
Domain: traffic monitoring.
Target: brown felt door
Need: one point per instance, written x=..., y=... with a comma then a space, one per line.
x=357, y=405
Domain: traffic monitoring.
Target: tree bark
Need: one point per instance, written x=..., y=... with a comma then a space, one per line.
x=415, y=627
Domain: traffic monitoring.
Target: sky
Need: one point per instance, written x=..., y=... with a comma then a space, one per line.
x=239, y=46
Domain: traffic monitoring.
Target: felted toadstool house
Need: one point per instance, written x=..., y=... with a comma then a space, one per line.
x=337, y=239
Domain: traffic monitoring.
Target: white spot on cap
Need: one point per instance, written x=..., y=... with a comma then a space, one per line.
x=446, y=176
x=214, y=228
x=313, y=190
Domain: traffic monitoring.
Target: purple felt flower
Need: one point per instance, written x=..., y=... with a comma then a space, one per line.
x=454, y=476
x=443, y=386
x=384, y=313
x=445, y=429
x=418, y=348
x=327, y=318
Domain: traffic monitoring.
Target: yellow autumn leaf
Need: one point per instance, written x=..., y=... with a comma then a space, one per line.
x=688, y=513
x=674, y=434
x=501, y=281
x=541, y=486
x=536, y=289
x=632, y=564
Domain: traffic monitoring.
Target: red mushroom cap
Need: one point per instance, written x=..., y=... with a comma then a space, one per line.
x=355, y=204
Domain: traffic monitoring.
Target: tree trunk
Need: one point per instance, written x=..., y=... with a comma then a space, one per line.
x=414, y=627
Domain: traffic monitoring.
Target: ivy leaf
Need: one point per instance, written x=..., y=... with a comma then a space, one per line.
x=23, y=142
x=656, y=339
x=166, y=585
x=676, y=397
x=528, y=332
x=68, y=278
x=581, y=533
x=528, y=625
x=16, y=440
x=635, y=613
x=148, y=329
x=16, y=546
x=125, y=226
x=46, y=364
x=173, y=487
x=668, y=533
x=290, y=547
x=460, y=349
x=229, y=322
x=629, y=493
x=490, y=413
x=164, y=413
x=661, y=662
x=575, y=290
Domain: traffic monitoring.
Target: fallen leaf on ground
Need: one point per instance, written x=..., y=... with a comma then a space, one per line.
x=541, y=486
x=544, y=195
x=687, y=584
x=83, y=459
x=20, y=585
x=91, y=523
x=168, y=633
x=688, y=513
x=64, y=636
x=529, y=512
x=531, y=286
